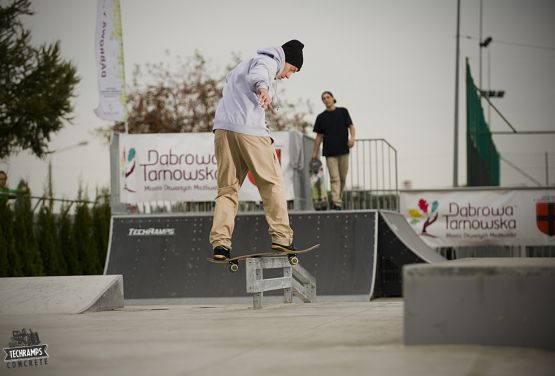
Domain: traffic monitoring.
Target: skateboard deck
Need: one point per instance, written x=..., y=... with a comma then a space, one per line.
x=318, y=191
x=292, y=256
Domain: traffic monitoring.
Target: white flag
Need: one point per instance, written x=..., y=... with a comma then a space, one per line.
x=109, y=60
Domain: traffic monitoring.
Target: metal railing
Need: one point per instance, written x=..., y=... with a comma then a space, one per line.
x=372, y=182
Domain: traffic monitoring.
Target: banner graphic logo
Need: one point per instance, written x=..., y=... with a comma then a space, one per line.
x=545, y=217
x=426, y=213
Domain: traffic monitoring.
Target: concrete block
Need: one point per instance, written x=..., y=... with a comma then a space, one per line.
x=485, y=301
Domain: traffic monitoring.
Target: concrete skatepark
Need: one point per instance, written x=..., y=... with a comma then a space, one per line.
x=327, y=338
x=364, y=326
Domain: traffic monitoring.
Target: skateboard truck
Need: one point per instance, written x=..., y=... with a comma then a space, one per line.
x=292, y=257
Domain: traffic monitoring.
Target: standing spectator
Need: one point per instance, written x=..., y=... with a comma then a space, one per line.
x=3, y=181
x=6, y=192
x=335, y=128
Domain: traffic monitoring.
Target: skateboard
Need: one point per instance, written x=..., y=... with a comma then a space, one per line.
x=292, y=256
x=319, y=194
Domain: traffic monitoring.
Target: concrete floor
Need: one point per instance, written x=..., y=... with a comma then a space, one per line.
x=324, y=338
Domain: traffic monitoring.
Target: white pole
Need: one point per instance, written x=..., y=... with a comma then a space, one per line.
x=456, y=143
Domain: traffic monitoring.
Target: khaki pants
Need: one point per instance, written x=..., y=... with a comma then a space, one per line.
x=237, y=154
x=338, y=166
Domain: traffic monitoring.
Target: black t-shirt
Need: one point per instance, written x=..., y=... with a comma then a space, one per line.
x=334, y=126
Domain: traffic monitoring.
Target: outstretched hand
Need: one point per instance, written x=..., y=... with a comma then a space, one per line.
x=265, y=100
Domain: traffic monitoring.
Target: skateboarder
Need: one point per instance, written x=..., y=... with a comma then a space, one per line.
x=333, y=127
x=242, y=143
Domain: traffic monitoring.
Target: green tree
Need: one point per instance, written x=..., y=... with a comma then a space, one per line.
x=45, y=240
x=24, y=232
x=4, y=266
x=48, y=234
x=101, y=226
x=83, y=237
x=49, y=243
x=13, y=259
x=67, y=244
x=36, y=85
x=163, y=99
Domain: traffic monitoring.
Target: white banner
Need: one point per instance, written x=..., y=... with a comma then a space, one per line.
x=109, y=61
x=481, y=217
x=182, y=167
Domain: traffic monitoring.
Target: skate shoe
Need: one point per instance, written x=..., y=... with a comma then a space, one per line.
x=221, y=253
x=283, y=248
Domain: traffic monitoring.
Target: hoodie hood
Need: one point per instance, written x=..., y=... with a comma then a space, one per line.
x=275, y=53
x=239, y=110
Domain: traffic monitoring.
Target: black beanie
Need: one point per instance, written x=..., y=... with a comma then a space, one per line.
x=294, y=53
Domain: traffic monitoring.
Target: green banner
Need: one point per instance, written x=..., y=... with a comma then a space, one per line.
x=482, y=158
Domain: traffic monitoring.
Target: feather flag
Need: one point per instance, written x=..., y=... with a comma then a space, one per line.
x=109, y=60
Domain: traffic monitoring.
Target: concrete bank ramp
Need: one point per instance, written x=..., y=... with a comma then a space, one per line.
x=65, y=294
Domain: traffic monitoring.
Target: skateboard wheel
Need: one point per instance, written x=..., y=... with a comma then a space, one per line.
x=293, y=260
x=234, y=267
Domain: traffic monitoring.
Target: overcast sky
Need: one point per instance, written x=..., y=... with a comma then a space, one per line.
x=391, y=63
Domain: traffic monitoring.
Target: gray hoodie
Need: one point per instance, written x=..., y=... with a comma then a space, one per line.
x=239, y=110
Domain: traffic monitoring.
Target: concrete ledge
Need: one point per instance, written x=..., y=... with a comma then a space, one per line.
x=485, y=301
x=67, y=294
